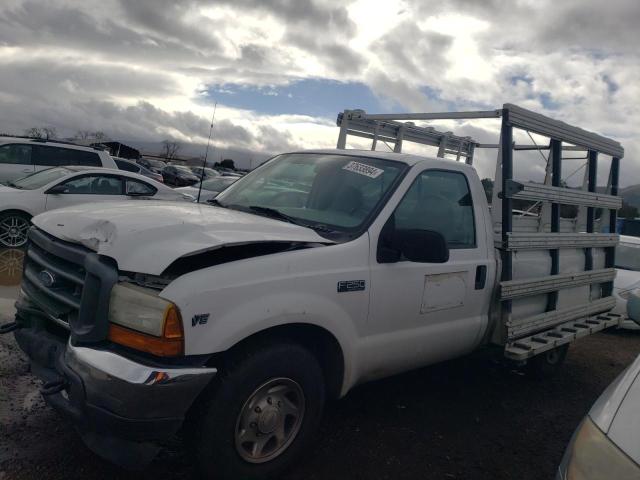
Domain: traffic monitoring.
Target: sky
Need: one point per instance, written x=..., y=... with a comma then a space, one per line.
x=281, y=70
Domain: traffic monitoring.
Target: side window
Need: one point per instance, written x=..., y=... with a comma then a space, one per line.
x=94, y=185
x=57, y=156
x=136, y=187
x=439, y=201
x=15, y=154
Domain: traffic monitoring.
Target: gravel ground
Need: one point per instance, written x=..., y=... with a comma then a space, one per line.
x=468, y=418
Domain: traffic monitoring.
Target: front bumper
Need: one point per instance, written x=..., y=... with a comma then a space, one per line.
x=121, y=407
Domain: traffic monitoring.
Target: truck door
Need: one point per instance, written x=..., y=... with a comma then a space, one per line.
x=421, y=313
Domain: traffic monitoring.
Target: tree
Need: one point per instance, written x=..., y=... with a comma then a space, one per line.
x=98, y=136
x=627, y=211
x=228, y=163
x=170, y=149
x=41, y=132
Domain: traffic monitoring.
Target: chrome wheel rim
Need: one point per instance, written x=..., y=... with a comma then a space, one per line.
x=13, y=231
x=269, y=420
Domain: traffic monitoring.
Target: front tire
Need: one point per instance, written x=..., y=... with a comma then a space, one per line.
x=261, y=416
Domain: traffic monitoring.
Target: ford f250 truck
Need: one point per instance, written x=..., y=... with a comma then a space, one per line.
x=319, y=270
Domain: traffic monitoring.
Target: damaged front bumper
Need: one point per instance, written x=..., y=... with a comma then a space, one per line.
x=121, y=407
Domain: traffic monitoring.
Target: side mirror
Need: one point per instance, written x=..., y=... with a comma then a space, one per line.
x=421, y=246
x=57, y=189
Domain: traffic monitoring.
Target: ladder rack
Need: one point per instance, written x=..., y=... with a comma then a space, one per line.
x=510, y=332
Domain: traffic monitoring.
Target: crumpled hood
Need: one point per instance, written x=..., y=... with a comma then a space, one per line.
x=147, y=236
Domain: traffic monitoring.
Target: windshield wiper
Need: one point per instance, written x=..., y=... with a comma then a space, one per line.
x=274, y=213
x=13, y=185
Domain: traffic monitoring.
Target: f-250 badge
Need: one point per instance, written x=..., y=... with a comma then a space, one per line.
x=351, y=286
x=200, y=319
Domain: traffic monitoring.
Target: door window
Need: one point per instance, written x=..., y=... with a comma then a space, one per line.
x=439, y=201
x=127, y=166
x=15, y=154
x=136, y=187
x=94, y=185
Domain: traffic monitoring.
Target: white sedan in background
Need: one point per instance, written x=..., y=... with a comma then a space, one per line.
x=64, y=186
x=210, y=188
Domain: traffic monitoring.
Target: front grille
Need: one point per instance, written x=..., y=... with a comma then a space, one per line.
x=70, y=284
x=54, y=282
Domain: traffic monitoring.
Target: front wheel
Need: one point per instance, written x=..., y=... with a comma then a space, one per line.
x=14, y=227
x=261, y=416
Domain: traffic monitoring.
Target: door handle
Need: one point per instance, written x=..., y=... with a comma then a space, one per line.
x=481, y=276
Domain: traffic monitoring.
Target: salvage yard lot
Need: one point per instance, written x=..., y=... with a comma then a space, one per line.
x=469, y=418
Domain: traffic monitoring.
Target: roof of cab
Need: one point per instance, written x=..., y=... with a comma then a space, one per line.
x=406, y=158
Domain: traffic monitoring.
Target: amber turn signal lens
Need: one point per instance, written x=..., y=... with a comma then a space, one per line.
x=171, y=344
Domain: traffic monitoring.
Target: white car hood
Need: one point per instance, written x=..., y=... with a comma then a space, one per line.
x=146, y=237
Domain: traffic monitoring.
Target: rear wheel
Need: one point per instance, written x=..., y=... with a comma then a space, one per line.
x=14, y=227
x=549, y=363
x=261, y=416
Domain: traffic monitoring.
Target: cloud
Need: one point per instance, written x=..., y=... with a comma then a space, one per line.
x=148, y=69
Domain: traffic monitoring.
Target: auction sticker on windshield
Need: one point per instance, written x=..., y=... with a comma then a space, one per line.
x=363, y=169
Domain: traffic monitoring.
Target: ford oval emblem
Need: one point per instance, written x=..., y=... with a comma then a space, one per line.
x=47, y=278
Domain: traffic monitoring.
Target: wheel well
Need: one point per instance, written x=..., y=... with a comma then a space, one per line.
x=317, y=340
x=14, y=210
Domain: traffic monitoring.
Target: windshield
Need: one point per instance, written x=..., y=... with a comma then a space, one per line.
x=217, y=184
x=40, y=179
x=182, y=169
x=320, y=190
x=628, y=256
x=155, y=163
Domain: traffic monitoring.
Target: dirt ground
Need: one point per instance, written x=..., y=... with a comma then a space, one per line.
x=466, y=419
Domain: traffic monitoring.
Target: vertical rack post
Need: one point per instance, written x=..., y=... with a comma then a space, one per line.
x=613, y=219
x=556, y=177
x=344, y=127
x=592, y=166
x=397, y=148
x=506, y=155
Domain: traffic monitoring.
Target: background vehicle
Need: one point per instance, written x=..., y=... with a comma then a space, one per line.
x=208, y=172
x=59, y=187
x=606, y=443
x=130, y=166
x=627, y=280
x=152, y=164
x=178, y=176
x=317, y=271
x=210, y=188
x=22, y=156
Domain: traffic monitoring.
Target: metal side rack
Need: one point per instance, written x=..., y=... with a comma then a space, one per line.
x=526, y=335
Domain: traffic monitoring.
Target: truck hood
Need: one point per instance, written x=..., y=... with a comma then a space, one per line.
x=147, y=236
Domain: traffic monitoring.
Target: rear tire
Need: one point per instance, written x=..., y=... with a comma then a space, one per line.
x=261, y=415
x=14, y=227
x=547, y=364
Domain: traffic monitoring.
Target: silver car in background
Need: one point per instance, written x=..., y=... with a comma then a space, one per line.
x=606, y=445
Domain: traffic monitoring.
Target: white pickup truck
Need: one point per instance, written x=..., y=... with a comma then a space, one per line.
x=318, y=271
